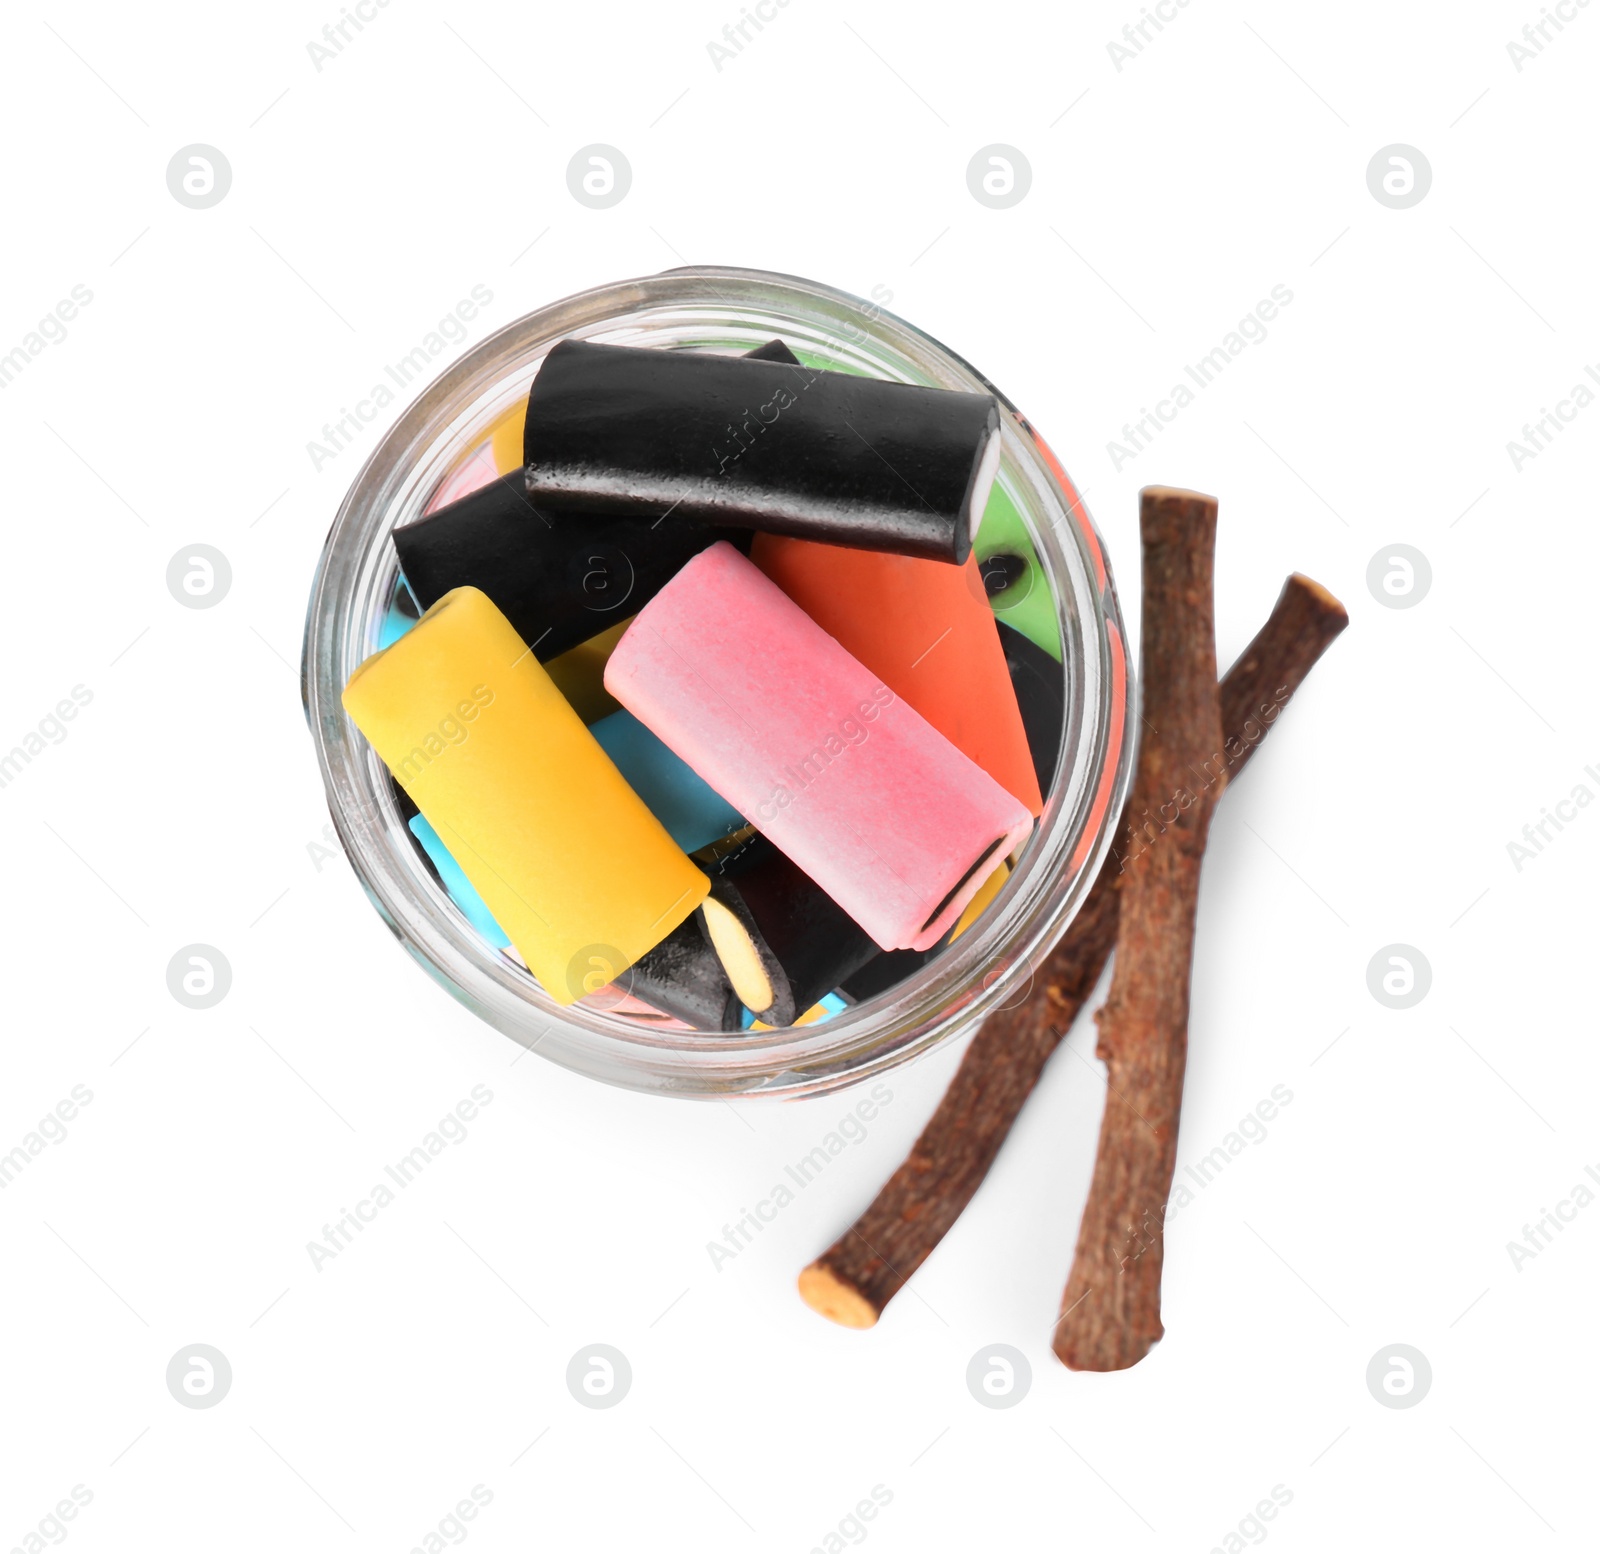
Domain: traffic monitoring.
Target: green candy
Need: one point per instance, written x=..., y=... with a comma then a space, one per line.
x=1027, y=604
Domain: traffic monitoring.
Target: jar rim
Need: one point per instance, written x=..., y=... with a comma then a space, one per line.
x=990, y=966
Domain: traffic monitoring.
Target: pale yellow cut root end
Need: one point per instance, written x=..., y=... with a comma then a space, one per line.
x=825, y=1295
x=1317, y=591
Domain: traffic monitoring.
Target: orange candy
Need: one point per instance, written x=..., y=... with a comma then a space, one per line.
x=926, y=630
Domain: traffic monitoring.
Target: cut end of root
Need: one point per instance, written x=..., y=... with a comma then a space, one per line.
x=1174, y=494
x=829, y=1298
x=1319, y=593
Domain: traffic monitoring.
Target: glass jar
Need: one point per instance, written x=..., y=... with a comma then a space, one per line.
x=355, y=586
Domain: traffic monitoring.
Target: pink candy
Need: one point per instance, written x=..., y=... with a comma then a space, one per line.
x=477, y=471
x=872, y=802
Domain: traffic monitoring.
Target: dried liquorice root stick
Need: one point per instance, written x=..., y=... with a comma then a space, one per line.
x=1111, y=1309
x=856, y=1278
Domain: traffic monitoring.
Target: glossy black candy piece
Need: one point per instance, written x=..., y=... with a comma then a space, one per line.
x=806, y=942
x=558, y=581
x=682, y=976
x=1040, y=682
x=882, y=972
x=614, y=431
x=772, y=351
x=734, y=853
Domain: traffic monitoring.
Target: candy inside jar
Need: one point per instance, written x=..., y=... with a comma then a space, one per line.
x=650, y=1021
x=801, y=918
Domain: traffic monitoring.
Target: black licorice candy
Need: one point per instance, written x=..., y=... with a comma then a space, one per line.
x=682, y=976
x=1040, y=682
x=883, y=972
x=614, y=430
x=733, y=853
x=773, y=926
x=888, y=968
x=772, y=351
x=558, y=581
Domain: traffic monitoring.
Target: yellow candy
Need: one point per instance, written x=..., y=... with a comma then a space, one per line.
x=582, y=877
x=987, y=891
x=505, y=438
x=579, y=674
x=810, y=1017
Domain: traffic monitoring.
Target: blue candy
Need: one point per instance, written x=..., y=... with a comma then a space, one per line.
x=459, y=887
x=693, y=812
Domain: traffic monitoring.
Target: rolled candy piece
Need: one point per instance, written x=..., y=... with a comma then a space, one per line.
x=772, y=916
x=472, y=474
x=565, y=855
x=891, y=967
x=824, y=1009
x=872, y=802
x=1040, y=683
x=1018, y=587
x=683, y=977
x=693, y=812
x=505, y=439
x=750, y=966
x=734, y=852
x=883, y=972
x=612, y=999
x=498, y=454
x=457, y=886
x=772, y=351
x=579, y=674
x=399, y=618
x=559, y=583
x=926, y=630
x=618, y=431
x=983, y=900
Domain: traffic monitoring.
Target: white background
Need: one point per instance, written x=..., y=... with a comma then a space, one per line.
x=1167, y=198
